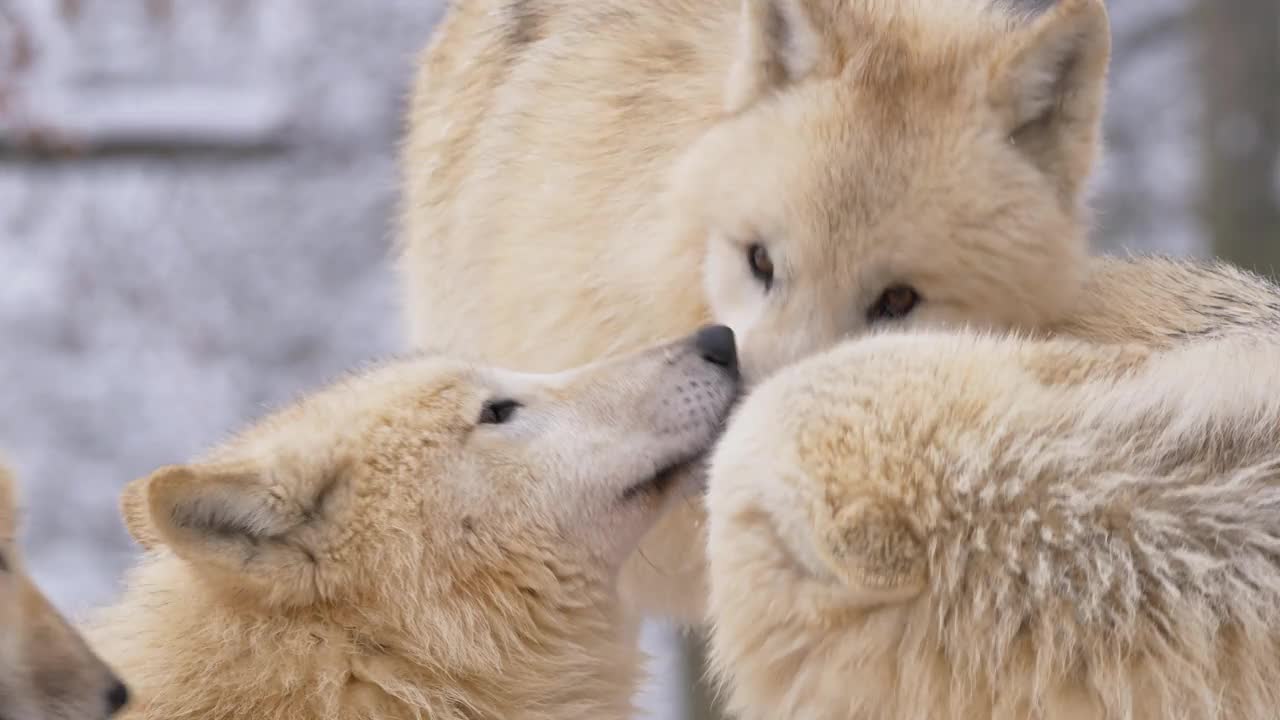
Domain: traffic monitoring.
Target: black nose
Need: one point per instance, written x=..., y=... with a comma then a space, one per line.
x=117, y=697
x=715, y=344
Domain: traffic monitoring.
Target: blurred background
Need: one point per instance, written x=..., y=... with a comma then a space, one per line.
x=197, y=209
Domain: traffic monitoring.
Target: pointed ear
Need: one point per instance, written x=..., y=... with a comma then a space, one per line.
x=871, y=547
x=222, y=517
x=778, y=43
x=137, y=515
x=1049, y=87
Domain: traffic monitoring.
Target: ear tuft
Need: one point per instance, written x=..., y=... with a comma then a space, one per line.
x=137, y=514
x=873, y=549
x=1049, y=89
x=778, y=44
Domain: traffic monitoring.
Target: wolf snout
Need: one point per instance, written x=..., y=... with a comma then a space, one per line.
x=715, y=344
x=117, y=698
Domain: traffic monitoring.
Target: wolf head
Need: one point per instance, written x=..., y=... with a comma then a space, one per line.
x=893, y=163
x=47, y=672
x=400, y=486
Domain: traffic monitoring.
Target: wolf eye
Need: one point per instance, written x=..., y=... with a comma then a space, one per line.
x=496, y=412
x=761, y=264
x=894, y=303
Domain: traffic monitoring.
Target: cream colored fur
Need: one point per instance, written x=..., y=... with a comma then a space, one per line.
x=47, y=672
x=968, y=527
x=583, y=178
x=1165, y=302
x=376, y=551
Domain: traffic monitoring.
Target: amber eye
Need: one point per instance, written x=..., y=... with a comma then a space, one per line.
x=761, y=264
x=497, y=412
x=894, y=303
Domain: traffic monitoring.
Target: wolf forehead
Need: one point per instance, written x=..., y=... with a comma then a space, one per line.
x=433, y=393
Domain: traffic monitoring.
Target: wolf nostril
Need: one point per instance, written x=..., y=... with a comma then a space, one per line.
x=716, y=345
x=117, y=698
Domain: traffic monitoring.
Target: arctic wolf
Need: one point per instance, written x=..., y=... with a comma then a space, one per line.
x=46, y=670
x=584, y=178
x=960, y=527
x=430, y=539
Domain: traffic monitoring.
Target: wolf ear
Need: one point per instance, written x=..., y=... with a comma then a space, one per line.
x=137, y=515
x=1049, y=89
x=778, y=43
x=872, y=549
x=224, y=518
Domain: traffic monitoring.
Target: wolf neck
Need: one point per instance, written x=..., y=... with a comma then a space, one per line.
x=192, y=654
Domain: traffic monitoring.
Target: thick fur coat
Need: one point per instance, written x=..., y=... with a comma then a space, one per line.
x=965, y=526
